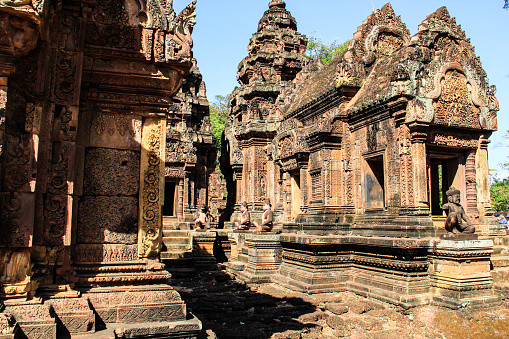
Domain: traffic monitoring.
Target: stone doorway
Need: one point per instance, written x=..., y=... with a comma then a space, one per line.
x=296, y=195
x=444, y=170
x=169, y=209
x=374, y=183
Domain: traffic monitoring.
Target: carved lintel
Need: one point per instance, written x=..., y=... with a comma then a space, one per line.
x=152, y=178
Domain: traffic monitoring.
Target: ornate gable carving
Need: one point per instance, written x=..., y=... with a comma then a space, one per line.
x=455, y=106
x=452, y=88
x=381, y=34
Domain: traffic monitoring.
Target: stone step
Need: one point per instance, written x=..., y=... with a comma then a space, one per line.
x=178, y=247
x=177, y=240
x=500, y=275
x=500, y=261
x=175, y=233
x=500, y=250
x=165, y=255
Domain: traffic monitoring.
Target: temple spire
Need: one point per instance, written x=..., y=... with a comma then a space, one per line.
x=277, y=3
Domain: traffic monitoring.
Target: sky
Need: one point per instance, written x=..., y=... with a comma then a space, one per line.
x=224, y=28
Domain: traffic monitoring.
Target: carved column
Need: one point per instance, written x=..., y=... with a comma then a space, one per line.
x=305, y=181
x=487, y=222
x=419, y=174
x=470, y=186
x=405, y=169
x=151, y=187
x=18, y=147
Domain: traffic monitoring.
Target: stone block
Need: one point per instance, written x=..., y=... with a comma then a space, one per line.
x=137, y=304
x=116, y=131
x=460, y=273
x=203, y=250
x=176, y=329
x=111, y=172
x=36, y=320
x=106, y=253
x=107, y=220
x=74, y=313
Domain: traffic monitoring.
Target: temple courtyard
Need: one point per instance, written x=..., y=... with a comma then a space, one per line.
x=229, y=310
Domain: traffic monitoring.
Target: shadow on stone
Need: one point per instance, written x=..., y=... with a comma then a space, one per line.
x=232, y=310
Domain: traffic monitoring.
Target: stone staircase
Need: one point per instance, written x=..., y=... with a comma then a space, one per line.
x=500, y=265
x=177, y=252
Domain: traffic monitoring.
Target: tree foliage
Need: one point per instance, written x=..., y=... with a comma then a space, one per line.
x=218, y=117
x=506, y=4
x=500, y=195
x=325, y=51
x=500, y=188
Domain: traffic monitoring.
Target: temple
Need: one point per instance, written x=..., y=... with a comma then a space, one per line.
x=357, y=156
x=106, y=155
x=104, y=134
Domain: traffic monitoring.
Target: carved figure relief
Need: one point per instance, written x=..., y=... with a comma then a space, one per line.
x=286, y=147
x=455, y=106
x=387, y=43
x=180, y=33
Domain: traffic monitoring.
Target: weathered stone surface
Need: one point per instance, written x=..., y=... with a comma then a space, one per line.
x=313, y=317
x=111, y=172
x=337, y=308
x=107, y=220
x=337, y=322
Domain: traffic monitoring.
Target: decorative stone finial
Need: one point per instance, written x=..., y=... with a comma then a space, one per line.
x=277, y=3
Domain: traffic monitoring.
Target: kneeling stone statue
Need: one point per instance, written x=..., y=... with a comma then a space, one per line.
x=456, y=214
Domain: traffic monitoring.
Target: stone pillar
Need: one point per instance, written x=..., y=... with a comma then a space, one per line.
x=5, y=70
x=264, y=258
x=305, y=185
x=460, y=272
x=238, y=257
x=150, y=227
x=488, y=224
x=420, y=177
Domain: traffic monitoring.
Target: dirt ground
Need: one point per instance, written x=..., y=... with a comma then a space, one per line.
x=229, y=309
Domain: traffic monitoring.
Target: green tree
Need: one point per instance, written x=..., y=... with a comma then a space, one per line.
x=506, y=4
x=325, y=51
x=500, y=187
x=500, y=195
x=218, y=117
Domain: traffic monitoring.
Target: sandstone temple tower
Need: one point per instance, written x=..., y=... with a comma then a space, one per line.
x=276, y=55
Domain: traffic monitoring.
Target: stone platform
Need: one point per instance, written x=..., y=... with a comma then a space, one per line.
x=407, y=272
x=460, y=273
x=256, y=256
